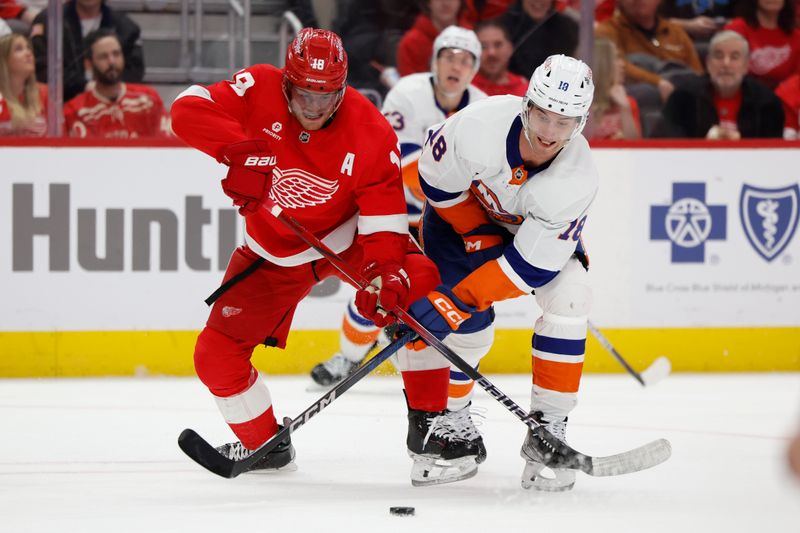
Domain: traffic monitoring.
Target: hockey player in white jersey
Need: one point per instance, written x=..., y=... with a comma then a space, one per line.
x=414, y=104
x=510, y=181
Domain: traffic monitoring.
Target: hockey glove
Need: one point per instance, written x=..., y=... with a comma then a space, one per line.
x=484, y=243
x=388, y=288
x=441, y=312
x=249, y=174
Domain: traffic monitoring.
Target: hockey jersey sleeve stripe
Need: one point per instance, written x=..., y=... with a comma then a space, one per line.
x=486, y=285
x=464, y=215
x=530, y=275
x=410, y=149
x=368, y=224
x=195, y=90
x=440, y=198
x=559, y=346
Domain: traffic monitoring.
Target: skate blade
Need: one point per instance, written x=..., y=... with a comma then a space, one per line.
x=427, y=471
x=539, y=477
x=290, y=467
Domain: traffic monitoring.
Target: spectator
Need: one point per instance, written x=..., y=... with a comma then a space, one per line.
x=370, y=32
x=494, y=77
x=789, y=93
x=81, y=17
x=725, y=103
x=604, y=10
x=654, y=48
x=768, y=26
x=23, y=102
x=699, y=19
x=537, y=32
x=416, y=46
x=4, y=29
x=111, y=108
x=614, y=114
x=478, y=10
x=304, y=10
x=18, y=16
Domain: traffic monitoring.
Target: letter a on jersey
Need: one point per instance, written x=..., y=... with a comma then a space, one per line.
x=347, y=164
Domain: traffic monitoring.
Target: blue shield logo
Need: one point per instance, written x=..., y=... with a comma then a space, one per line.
x=769, y=217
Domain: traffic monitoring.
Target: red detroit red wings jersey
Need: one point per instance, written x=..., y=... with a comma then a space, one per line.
x=137, y=113
x=336, y=180
x=5, y=111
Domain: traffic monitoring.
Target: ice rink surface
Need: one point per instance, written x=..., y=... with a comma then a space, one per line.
x=100, y=455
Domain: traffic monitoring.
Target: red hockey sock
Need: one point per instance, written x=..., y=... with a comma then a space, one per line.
x=257, y=431
x=426, y=390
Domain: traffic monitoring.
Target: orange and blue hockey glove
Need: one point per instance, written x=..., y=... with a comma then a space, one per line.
x=441, y=312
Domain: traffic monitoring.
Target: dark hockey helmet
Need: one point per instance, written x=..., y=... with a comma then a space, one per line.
x=315, y=61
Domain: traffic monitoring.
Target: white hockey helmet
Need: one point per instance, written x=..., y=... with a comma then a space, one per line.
x=460, y=38
x=561, y=84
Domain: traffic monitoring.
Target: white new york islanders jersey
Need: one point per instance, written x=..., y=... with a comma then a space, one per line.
x=477, y=152
x=411, y=109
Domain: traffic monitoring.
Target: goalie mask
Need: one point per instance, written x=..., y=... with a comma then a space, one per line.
x=315, y=76
x=562, y=85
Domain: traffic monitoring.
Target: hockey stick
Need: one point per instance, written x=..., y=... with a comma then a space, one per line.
x=658, y=370
x=209, y=458
x=559, y=454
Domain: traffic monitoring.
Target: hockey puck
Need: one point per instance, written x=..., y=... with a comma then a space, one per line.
x=401, y=511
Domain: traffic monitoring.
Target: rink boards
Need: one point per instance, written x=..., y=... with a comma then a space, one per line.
x=107, y=253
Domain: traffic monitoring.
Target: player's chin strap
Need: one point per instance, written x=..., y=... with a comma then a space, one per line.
x=558, y=454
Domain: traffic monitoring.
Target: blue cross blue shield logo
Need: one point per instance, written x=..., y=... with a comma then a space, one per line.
x=769, y=217
x=688, y=222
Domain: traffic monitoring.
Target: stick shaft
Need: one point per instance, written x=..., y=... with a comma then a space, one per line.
x=610, y=348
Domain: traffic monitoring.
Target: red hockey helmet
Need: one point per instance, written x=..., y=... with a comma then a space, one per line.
x=316, y=61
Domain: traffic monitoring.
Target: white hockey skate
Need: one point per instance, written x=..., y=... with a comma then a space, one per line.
x=439, y=454
x=536, y=475
x=460, y=424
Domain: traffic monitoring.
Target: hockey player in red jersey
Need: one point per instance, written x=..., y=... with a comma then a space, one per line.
x=331, y=161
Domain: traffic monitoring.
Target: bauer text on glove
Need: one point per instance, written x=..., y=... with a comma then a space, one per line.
x=249, y=177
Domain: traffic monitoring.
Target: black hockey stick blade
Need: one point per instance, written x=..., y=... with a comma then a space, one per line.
x=204, y=454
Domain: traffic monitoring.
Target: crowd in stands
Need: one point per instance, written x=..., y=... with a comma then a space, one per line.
x=715, y=69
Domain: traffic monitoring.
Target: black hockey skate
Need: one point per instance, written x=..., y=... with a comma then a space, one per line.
x=281, y=458
x=536, y=475
x=439, y=454
x=333, y=370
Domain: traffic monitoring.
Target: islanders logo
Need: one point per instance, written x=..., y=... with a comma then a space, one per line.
x=769, y=217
